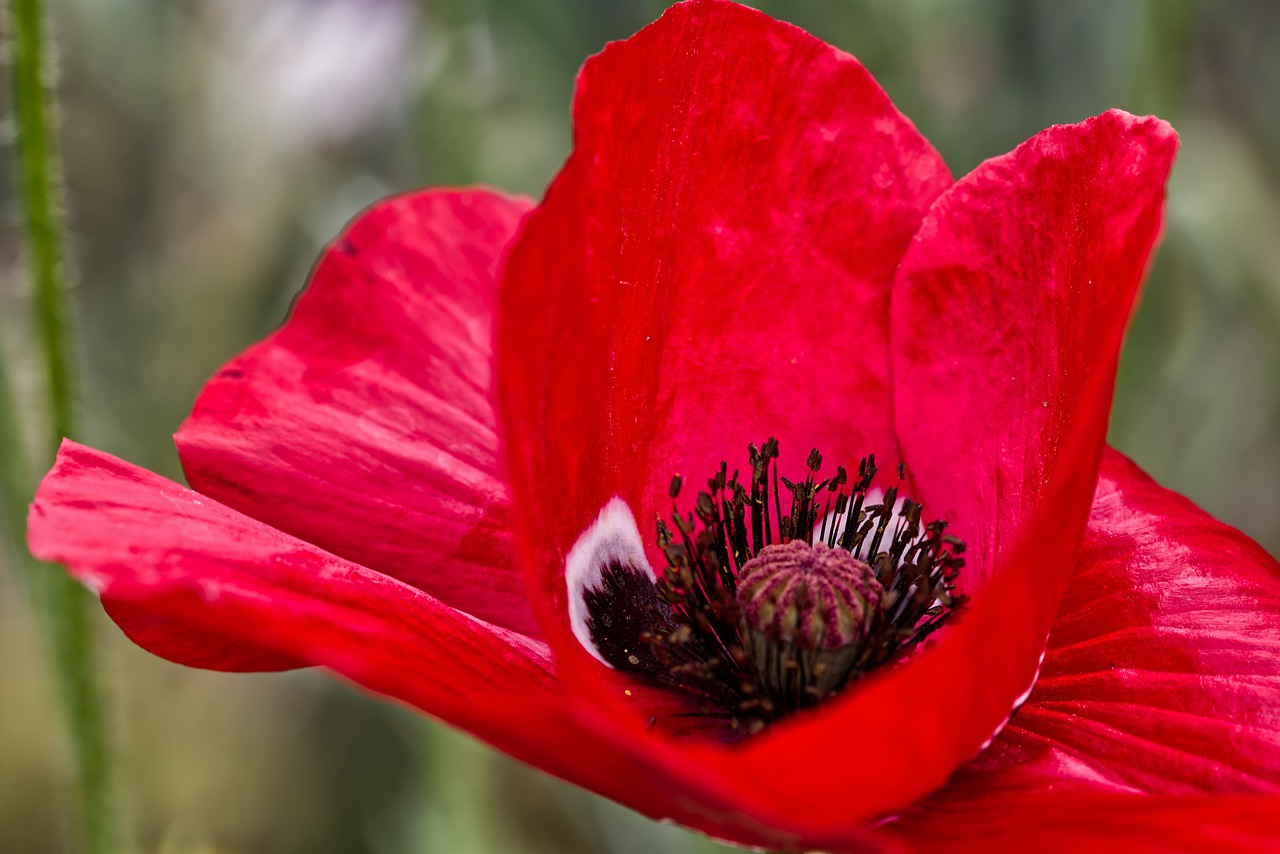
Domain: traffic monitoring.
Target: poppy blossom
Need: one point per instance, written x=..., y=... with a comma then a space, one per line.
x=442, y=477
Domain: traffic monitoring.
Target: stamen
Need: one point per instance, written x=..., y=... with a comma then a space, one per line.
x=761, y=613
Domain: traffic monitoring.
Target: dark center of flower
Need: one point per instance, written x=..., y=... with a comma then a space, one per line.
x=761, y=613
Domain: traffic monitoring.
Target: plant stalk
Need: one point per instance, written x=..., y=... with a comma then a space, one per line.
x=67, y=607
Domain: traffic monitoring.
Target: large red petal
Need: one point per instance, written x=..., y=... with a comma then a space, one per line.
x=1162, y=676
x=711, y=268
x=365, y=425
x=1008, y=314
x=186, y=561
x=200, y=571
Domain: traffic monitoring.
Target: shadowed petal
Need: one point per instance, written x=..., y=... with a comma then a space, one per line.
x=153, y=626
x=364, y=424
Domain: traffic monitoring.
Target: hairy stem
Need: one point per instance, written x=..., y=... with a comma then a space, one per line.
x=66, y=607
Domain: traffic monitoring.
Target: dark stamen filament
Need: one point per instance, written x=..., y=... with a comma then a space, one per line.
x=696, y=639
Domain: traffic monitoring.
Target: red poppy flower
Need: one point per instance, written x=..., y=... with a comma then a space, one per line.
x=747, y=241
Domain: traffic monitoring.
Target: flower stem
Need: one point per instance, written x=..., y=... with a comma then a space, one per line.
x=15, y=476
x=37, y=166
x=66, y=605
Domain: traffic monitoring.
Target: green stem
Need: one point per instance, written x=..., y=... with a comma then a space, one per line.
x=15, y=475
x=67, y=606
x=37, y=167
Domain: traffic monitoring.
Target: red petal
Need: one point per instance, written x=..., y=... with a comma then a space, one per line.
x=176, y=639
x=1008, y=316
x=151, y=546
x=365, y=425
x=1162, y=676
x=1016, y=820
x=711, y=268
x=1163, y=668
x=190, y=563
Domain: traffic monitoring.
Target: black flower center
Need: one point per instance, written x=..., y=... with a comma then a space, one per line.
x=761, y=613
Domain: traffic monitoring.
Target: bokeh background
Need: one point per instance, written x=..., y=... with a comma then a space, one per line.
x=211, y=148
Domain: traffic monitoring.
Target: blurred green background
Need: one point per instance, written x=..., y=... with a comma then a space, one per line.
x=211, y=148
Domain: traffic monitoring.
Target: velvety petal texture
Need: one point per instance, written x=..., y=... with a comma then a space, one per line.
x=364, y=425
x=1162, y=677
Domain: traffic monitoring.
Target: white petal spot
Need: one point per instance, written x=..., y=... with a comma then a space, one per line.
x=612, y=538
